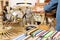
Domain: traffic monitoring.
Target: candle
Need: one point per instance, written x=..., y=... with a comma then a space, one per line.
x=49, y=34
x=31, y=31
x=44, y=34
x=36, y=32
x=41, y=33
x=20, y=37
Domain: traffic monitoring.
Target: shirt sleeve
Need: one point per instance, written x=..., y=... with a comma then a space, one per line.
x=51, y=5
